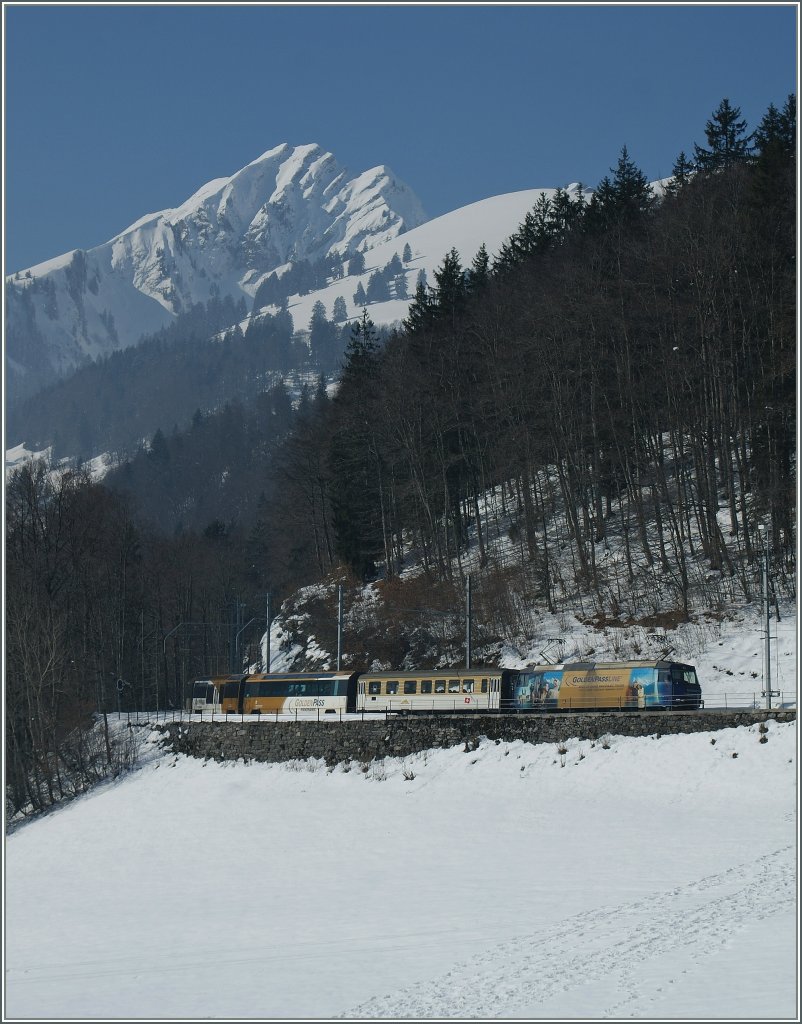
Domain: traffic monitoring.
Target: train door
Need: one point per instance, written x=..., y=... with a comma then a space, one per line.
x=505, y=698
x=351, y=688
x=494, y=692
x=232, y=695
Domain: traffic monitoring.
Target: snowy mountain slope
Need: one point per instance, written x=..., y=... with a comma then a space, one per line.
x=489, y=222
x=291, y=203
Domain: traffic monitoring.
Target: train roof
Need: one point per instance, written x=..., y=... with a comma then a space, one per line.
x=306, y=676
x=478, y=670
x=588, y=666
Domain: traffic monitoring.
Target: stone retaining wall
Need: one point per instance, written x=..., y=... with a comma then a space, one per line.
x=367, y=740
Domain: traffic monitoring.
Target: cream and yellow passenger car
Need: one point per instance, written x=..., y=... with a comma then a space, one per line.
x=477, y=689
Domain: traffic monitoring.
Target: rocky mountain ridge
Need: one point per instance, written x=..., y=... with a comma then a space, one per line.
x=290, y=204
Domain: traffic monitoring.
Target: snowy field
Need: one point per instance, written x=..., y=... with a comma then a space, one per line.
x=633, y=878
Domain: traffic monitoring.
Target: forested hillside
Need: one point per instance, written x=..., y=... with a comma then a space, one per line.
x=213, y=353
x=117, y=403
x=642, y=351
x=621, y=375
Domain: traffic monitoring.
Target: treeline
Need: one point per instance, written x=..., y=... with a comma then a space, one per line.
x=641, y=348
x=101, y=614
x=213, y=475
x=305, y=276
x=199, y=362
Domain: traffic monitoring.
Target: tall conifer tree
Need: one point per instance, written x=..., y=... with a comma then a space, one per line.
x=727, y=140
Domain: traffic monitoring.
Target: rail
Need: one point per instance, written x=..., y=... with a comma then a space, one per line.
x=784, y=701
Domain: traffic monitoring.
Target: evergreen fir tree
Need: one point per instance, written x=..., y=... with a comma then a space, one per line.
x=420, y=310
x=394, y=267
x=480, y=269
x=339, y=311
x=321, y=336
x=321, y=394
x=400, y=286
x=727, y=139
x=318, y=314
x=360, y=298
x=159, y=453
x=623, y=198
x=406, y=256
x=681, y=174
x=356, y=264
x=777, y=131
x=361, y=355
x=451, y=290
x=566, y=213
x=775, y=152
x=378, y=289
x=353, y=458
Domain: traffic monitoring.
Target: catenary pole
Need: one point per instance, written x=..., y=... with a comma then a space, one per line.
x=339, y=626
x=468, y=624
x=267, y=635
x=767, y=610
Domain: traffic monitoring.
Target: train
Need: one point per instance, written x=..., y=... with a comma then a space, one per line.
x=576, y=686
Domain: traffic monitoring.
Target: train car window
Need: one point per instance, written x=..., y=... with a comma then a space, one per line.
x=374, y=687
x=426, y=686
x=484, y=686
x=392, y=687
x=325, y=688
x=439, y=686
x=453, y=686
x=411, y=686
x=467, y=685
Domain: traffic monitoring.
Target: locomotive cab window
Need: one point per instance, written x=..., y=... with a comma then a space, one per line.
x=411, y=686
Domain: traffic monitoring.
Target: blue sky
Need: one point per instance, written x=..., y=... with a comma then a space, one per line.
x=113, y=111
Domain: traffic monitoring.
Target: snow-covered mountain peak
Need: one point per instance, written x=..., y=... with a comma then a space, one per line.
x=291, y=203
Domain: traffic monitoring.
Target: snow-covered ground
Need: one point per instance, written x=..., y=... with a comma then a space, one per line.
x=19, y=455
x=634, y=878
